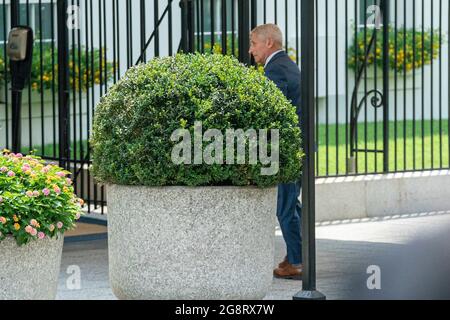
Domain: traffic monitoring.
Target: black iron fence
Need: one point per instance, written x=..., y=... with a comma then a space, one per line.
x=382, y=98
x=382, y=101
x=95, y=42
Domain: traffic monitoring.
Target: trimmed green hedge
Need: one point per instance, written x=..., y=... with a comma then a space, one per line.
x=134, y=122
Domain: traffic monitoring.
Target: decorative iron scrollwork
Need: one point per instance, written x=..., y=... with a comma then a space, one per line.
x=377, y=101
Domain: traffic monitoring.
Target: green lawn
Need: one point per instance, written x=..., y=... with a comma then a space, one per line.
x=331, y=160
x=402, y=150
x=52, y=151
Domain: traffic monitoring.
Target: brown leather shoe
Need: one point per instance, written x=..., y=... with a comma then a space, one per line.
x=284, y=263
x=289, y=272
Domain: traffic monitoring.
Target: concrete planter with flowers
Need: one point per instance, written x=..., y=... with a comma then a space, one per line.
x=37, y=205
x=180, y=228
x=30, y=272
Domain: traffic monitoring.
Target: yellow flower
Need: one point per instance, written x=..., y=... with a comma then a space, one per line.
x=16, y=226
x=15, y=218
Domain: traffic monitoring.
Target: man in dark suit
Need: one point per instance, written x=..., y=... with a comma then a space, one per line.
x=267, y=49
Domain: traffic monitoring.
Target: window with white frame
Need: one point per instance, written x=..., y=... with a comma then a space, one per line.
x=364, y=12
x=37, y=16
x=218, y=16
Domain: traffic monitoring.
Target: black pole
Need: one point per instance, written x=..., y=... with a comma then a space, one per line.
x=187, y=26
x=16, y=92
x=191, y=25
x=63, y=85
x=224, y=26
x=14, y=13
x=184, y=38
x=244, y=30
x=253, y=23
x=385, y=11
x=143, y=29
x=309, y=291
x=254, y=14
x=16, y=114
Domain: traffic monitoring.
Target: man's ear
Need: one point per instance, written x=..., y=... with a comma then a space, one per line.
x=269, y=43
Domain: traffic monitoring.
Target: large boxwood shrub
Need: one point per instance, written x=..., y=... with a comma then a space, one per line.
x=134, y=122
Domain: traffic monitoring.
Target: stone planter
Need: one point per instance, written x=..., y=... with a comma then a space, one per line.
x=30, y=272
x=191, y=243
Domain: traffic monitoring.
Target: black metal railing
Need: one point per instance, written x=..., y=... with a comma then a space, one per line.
x=73, y=66
x=379, y=98
x=381, y=95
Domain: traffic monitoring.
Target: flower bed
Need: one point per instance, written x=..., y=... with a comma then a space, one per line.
x=86, y=68
x=408, y=49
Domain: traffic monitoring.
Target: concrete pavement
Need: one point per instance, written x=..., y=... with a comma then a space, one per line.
x=345, y=250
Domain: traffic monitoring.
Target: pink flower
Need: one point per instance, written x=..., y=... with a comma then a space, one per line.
x=51, y=228
x=1, y=199
x=60, y=225
x=36, y=193
x=69, y=181
x=26, y=167
x=3, y=169
x=45, y=169
x=11, y=174
x=29, y=193
x=33, y=232
x=78, y=216
x=19, y=155
x=57, y=189
x=34, y=223
x=46, y=192
x=61, y=174
x=2, y=220
x=41, y=235
x=28, y=229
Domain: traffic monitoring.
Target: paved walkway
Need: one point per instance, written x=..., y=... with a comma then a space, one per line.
x=345, y=250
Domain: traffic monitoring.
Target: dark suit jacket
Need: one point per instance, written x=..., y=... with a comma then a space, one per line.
x=286, y=75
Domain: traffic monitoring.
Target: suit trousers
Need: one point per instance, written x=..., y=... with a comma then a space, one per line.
x=289, y=212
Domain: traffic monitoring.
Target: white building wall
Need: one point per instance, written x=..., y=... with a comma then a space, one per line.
x=331, y=76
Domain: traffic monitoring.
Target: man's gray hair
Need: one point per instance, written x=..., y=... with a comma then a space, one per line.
x=269, y=31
